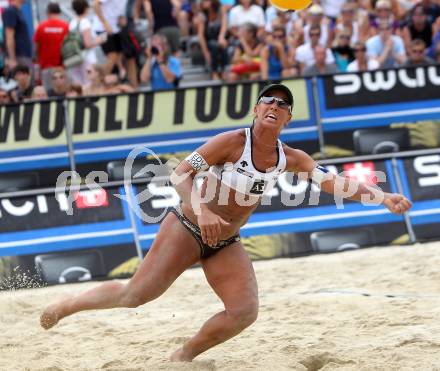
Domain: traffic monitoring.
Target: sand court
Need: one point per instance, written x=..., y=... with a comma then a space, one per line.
x=373, y=309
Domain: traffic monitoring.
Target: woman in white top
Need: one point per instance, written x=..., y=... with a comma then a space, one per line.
x=362, y=62
x=78, y=73
x=244, y=164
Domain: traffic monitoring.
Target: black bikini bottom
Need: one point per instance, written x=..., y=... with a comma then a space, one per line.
x=205, y=250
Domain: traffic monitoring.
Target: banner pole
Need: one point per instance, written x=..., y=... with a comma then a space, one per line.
x=318, y=116
x=69, y=139
x=128, y=191
x=409, y=227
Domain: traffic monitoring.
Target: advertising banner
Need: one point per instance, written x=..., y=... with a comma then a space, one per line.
x=108, y=127
x=63, y=221
x=380, y=111
x=421, y=180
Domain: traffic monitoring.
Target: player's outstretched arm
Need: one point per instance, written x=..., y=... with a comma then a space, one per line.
x=306, y=168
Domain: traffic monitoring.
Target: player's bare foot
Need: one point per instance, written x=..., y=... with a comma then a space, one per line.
x=50, y=317
x=180, y=356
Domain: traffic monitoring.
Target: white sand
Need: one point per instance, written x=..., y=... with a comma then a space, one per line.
x=312, y=317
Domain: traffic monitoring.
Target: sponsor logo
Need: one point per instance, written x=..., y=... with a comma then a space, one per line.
x=363, y=172
x=244, y=172
x=258, y=187
x=91, y=198
x=385, y=80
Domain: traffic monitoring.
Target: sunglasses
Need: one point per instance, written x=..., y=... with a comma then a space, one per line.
x=278, y=36
x=280, y=102
x=360, y=50
x=315, y=34
x=418, y=51
x=58, y=77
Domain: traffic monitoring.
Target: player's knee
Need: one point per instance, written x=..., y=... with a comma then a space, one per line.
x=246, y=314
x=134, y=298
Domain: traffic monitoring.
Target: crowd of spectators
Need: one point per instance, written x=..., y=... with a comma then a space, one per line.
x=124, y=45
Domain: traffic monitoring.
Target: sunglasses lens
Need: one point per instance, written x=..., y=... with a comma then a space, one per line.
x=267, y=100
x=280, y=102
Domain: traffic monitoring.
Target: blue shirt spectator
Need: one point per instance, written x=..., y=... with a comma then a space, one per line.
x=158, y=81
x=387, y=49
x=161, y=70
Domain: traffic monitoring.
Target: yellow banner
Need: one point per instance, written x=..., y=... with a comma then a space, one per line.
x=34, y=125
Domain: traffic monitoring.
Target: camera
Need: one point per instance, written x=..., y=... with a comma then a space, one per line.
x=154, y=50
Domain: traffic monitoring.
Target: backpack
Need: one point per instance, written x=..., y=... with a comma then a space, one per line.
x=71, y=49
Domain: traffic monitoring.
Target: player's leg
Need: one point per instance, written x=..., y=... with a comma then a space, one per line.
x=231, y=275
x=173, y=251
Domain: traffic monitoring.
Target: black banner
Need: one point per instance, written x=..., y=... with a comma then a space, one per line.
x=382, y=87
x=423, y=175
x=48, y=211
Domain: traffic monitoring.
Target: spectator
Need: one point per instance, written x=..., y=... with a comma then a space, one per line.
x=245, y=12
x=162, y=16
x=305, y=53
x=7, y=81
x=315, y=18
x=78, y=73
x=383, y=14
x=332, y=8
x=437, y=54
x=245, y=62
x=59, y=83
x=362, y=61
x=39, y=93
x=114, y=86
x=417, y=55
x=48, y=39
x=161, y=70
x=417, y=27
x=22, y=74
x=320, y=66
x=277, y=57
x=388, y=49
x=74, y=91
x=432, y=10
x=211, y=30
x=17, y=41
x=95, y=76
x=130, y=49
x=347, y=22
x=275, y=17
x=107, y=17
x=5, y=97
x=342, y=51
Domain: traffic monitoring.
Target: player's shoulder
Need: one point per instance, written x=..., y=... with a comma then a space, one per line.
x=297, y=160
x=294, y=152
x=231, y=138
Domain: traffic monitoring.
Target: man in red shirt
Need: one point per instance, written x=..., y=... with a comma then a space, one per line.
x=48, y=39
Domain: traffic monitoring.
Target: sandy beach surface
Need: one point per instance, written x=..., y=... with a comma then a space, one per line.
x=373, y=309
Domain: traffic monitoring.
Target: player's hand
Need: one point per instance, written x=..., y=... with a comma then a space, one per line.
x=396, y=203
x=210, y=225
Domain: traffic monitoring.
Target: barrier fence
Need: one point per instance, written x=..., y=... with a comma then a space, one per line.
x=374, y=121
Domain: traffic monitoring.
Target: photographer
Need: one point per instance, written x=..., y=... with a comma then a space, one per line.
x=161, y=70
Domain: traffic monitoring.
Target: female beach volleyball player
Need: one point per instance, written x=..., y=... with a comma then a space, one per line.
x=243, y=165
